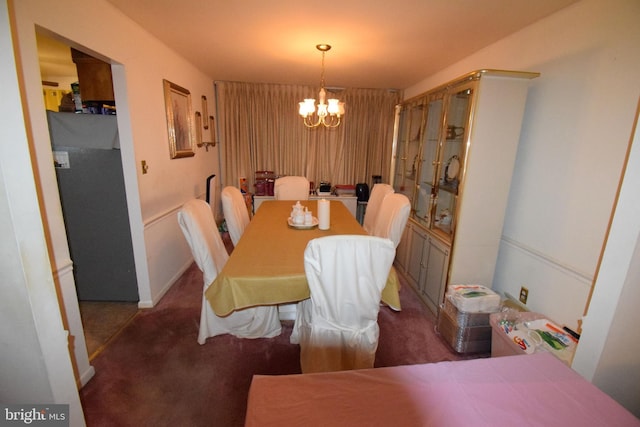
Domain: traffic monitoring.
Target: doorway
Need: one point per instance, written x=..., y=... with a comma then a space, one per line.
x=92, y=193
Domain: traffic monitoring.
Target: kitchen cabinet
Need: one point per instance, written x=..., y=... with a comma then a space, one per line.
x=455, y=149
x=94, y=76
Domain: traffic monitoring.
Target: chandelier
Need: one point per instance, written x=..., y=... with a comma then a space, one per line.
x=329, y=111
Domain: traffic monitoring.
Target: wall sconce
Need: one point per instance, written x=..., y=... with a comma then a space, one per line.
x=199, y=142
x=206, y=145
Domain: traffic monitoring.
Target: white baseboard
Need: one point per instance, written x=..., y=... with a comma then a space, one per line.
x=166, y=287
x=86, y=376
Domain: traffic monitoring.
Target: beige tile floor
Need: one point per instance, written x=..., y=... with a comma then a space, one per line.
x=103, y=320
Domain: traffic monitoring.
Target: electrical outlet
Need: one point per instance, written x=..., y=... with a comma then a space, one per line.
x=145, y=166
x=524, y=294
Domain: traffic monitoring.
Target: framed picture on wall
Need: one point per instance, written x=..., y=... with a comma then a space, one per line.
x=179, y=120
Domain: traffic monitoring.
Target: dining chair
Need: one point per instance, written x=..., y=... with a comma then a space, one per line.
x=392, y=217
x=202, y=235
x=378, y=192
x=337, y=328
x=291, y=188
x=235, y=212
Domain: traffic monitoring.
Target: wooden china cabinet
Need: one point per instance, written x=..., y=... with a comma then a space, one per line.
x=454, y=152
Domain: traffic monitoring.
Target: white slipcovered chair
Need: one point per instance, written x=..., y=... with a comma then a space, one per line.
x=235, y=212
x=392, y=217
x=378, y=192
x=337, y=328
x=210, y=254
x=291, y=188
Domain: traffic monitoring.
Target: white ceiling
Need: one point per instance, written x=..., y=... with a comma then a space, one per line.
x=376, y=43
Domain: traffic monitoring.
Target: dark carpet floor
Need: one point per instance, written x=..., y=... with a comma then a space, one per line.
x=154, y=373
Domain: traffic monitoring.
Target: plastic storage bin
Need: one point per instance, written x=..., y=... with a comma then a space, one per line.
x=504, y=345
x=465, y=319
x=501, y=344
x=465, y=332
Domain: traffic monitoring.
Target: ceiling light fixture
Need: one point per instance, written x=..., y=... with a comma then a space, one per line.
x=327, y=115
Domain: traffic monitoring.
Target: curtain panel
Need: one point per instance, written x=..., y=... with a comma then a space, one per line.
x=260, y=129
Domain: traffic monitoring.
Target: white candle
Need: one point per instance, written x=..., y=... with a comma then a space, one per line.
x=324, y=214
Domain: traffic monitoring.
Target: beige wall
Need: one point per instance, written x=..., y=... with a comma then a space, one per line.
x=38, y=367
x=140, y=63
x=609, y=352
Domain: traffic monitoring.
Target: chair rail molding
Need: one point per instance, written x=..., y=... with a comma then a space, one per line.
x=586, y=278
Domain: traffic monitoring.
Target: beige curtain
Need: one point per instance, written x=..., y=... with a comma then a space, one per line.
x=260, y=129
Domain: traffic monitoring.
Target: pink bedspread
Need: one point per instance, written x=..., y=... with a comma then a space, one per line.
x=530, y=390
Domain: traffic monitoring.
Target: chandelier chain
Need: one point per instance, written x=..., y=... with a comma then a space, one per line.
x=322, y=72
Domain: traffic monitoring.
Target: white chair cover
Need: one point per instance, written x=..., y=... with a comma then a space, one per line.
x=235, y=212
x=337, y=328
x=378, y=192
x=392, y=218
x=291, y=188
x=210, y=254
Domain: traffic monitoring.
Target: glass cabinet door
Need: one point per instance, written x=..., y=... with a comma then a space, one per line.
x=451, y=157
x=406, y=162
x=401, y=151
x=429, y=160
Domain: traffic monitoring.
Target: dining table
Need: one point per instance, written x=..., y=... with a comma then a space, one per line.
x=266, y=267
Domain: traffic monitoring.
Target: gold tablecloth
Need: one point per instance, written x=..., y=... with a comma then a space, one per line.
x=267, y=265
